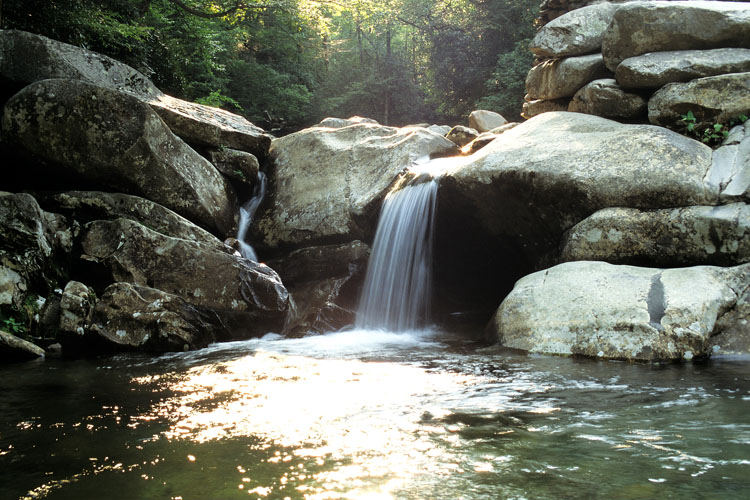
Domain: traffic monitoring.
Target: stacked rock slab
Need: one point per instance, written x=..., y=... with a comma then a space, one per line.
x=688, y=55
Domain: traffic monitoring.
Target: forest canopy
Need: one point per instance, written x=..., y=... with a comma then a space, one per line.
x=285, y=64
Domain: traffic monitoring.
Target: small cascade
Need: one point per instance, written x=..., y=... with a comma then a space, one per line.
x=397, y=290
x=247, y=212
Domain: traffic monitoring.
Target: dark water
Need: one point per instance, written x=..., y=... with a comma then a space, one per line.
x=372, y=416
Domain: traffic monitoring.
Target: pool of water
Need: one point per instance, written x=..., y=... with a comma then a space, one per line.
x=371, y=415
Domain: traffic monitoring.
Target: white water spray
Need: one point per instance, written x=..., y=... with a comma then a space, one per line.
x=398, y=285
x=247, y=212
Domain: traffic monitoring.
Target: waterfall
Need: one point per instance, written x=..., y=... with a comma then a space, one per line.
x=397, y=289
x=247, y=212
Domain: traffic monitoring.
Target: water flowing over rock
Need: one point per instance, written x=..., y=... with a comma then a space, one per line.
x=558, y=78
x=656, y=69
x=714, y=99
x=641, y=27
x=249, y=297
x=339, y=202
x=398, y=287
x=686, y=236
x=113, y=140
x=619, y=312
x=575, y=33
x=247, y=213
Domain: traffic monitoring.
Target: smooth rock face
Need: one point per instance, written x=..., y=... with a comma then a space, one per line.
x=536, y=107
x=483, y=121
x=730, y=170
x=88, y=206
x=656, y=69
x=641, y=27
x=575, y=33
x=686, y=236
x=114, y=140
x=236, y=165
x=26, y=58
x=137, y=317
x=329, y=182
x=345, y=122
x=563, y=77
x=607, y=99
x=711, y=99
x=619, y=312
x=200, y=274
x=14, y=349
x=34, y=246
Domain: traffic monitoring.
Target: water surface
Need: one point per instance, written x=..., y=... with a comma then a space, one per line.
x=371, y=415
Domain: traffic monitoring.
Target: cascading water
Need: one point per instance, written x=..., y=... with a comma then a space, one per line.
x=247, y=212
x=397, y=289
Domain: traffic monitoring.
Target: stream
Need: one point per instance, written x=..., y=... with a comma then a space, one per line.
x=372, y=415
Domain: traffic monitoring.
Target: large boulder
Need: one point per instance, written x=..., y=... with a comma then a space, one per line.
x=482, y=120
x=88, y=206
x=606, y=98
x=558, y=78
x=575, y=33
x=328, y=183
x=641, y=27
x=503, y=213
x=686, y=236
x=26, y=58
x=134, y=317
x=113, y=140
x=714, y=99
x=331, y=122
x=656, y=69
x=620, y=312
x=534, y=107
x=236, y=165
x=249, y=297
x=461, y=136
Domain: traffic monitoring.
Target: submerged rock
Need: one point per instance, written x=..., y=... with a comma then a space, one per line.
x=113, y=140
x=328, y=183
x=620, y=312
x=686, y=236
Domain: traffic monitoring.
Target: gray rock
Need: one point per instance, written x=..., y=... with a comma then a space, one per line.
x=732, y=332
x=439, y=129
x=130, y=317
x=236, y=165
x=481, y=141
x=606, y=98
x=246, y=294
x=341, y=201
x=13, y=287
x=674, y=237
x=656, y=69
x=76, y=305
x=619, y=312
x=558, y=78
x=88, y=206
x=641, y=27
x=26, y=58
x=482, y=120
x=714, y=99
x=535, y=107
x=577, y=32
x=461, y=136
x=730, y=168
x=114, y=140
x=14, y=349
x=345, y=122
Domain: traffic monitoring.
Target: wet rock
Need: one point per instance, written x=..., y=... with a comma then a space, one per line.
x=619, y=312
x=558, y=78
x=607, y=99
x=133, y=317
x=575, y=33
x=673, y=237
x=483, y=121
x=323, y=282
x=641, y=27
x=112, y=139
x=461, y=136
x=14, y=349
x=714, y=99
x=315, y=206
x=656, y=69
x=236, y=165
x=249, y=297
x=88, y=206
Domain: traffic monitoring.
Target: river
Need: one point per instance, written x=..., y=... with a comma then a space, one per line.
x=372, y=415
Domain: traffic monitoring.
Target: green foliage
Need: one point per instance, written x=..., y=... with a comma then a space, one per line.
x=217, y=100
x=18, y=319
x=506, y=87
x=712, y=134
